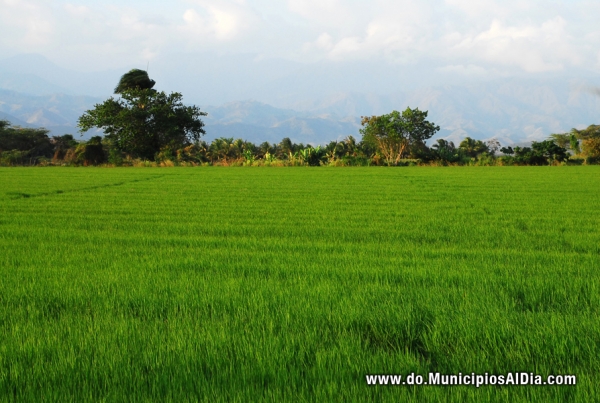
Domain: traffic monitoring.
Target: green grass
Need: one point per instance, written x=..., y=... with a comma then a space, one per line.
x=250, y=284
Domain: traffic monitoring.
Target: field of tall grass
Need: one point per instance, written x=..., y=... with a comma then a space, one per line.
x=293, y=284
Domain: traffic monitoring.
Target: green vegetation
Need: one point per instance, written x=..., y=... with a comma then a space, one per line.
x=145, y=127
x=23, y=146
x=134, y=79
x=540, y=153
x=396, y=135
x=33, y=147
x=142, y=121
x=293, y=284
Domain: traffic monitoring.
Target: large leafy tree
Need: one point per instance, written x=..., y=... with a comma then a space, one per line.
x=142, y=121
x=395, y=133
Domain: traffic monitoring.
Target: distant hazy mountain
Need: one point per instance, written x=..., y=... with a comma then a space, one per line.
x=250, y=120
x=509, y=113
x=510, y=110
x=258, y=122
x=309, y=103
x=14, y=121
x=58, y=113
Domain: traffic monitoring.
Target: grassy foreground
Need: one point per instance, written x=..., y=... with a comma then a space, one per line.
x=250, y=284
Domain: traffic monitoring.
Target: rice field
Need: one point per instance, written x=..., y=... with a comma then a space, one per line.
x=294, y=284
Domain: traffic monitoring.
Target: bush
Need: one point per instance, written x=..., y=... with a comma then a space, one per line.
x=115, y=157
x=591, y=147
x=592, y=161
x=13, y=157
x=90, y=153
x=75, y=156
x=575, y=161
x=165, y=154
x=93, y=152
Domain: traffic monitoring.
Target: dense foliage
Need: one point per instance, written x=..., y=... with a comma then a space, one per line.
x=19, y=146
x=540, y=153
x=134, y=79
x=25, y=146
x=395, y=134
x=142, y=122
x=162, y=146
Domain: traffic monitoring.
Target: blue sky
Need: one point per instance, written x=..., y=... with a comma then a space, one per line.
x=484, y=38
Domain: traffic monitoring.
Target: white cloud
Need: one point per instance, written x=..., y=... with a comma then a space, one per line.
x=360, y=30
x=29, y=23
x=327, y=13
x=514, y=35
x=520, y=35
x=77, y=11
x=531, y=48
x=324, y=41
x=533, y=133
x=464, y=70
x=219, y=20
x=481, y=8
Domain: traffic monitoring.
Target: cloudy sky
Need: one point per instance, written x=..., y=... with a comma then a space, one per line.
x=482, y=37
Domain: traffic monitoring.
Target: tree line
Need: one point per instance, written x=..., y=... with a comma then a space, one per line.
x=143, y=126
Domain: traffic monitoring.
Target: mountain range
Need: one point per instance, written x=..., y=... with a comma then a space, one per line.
x=35, y=92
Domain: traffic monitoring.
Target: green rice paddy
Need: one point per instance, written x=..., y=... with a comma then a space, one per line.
x=293, y=284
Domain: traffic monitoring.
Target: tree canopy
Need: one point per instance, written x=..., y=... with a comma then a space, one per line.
x=540, y=153
x=134, y=79
x=142, y=121
x=591, y=132
x=472, y=147
x=561, y=139
x=395, y=133
x=32, y=143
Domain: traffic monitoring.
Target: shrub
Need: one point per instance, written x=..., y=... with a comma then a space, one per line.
x=93, y=152
x=115, y=157
x=591, y=147
x=75, y=156
x=13, y=157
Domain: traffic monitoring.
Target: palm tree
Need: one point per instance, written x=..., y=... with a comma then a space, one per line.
x=223, y=148
x=351, y=146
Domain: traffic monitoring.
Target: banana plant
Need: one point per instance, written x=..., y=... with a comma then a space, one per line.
x=293, y=157
x=269, y=157
x=305, y=154
x=248, y=157
x=312, y=156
